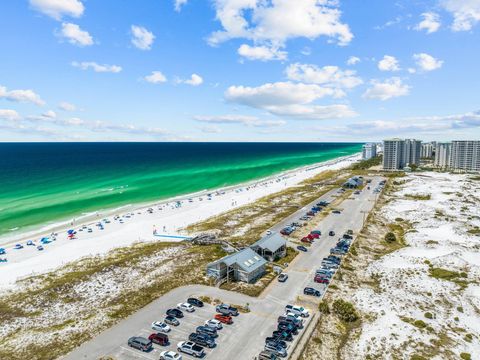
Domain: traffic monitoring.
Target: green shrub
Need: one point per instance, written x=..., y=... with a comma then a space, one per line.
x=323, y=307
x=466, y=356
x=417, y=357
x=460, y=309
x=428, y=315
x=345, y=310
x=419, y=324
x=390, y=237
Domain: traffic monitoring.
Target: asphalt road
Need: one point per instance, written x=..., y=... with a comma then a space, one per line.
x=245, y=338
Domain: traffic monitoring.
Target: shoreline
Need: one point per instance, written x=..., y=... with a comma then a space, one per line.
x=39, y=231
x=140, y=222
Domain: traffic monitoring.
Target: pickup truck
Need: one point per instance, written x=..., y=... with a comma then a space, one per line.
x=226, y=309
x=189, y=347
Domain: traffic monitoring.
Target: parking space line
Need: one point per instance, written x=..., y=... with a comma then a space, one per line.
x=136, y=353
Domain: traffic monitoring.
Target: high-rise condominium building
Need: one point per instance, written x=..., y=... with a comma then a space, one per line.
x=427, y=151
x=465, y=155
x=443, y=155
x=369, y=151
x=398, y=153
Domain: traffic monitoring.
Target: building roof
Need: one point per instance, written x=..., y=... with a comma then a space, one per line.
x=247, y=259
x=272, y=242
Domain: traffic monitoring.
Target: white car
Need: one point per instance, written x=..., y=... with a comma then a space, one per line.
x=170, y=355
x=160, y=327
x=297, y=310
x=185, y=307
x=214, y=324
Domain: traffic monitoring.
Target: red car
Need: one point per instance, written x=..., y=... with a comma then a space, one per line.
x=314, y=235
x=310, y=236
x=306, y=240
x=321, y=280
x=159, y=338
x=225, y=319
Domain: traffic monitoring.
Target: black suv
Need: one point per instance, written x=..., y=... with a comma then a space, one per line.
x=175, y=312
x=195, y=302
x=202, y=340
x=311, y=291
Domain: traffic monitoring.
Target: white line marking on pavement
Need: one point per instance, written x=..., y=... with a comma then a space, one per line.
x=135, y=353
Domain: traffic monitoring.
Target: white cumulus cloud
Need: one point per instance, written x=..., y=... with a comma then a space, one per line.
x=331, y=76
x=388, y=63
x=8, y=114
x=65, y=106
x=427, y=62
x=289, y=99
x=263, y=53
x=75, y=35
x=353, y=60
x=156, y=77
x=387, y=89
x=21, y=96
x=430, y=23
x=85, y=65
x=195, y=80
x=179, y=4
x=466, y=13
x=277, y=21
x=58, y=8
x=142, y=38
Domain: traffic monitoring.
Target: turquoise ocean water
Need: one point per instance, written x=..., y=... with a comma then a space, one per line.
x=42, y=183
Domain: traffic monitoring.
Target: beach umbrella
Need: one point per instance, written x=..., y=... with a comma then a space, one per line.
x=70, y=231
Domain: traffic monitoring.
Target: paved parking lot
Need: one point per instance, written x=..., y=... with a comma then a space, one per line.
x=245, y=338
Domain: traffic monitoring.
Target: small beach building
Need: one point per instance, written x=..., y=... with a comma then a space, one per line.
x=271, y=247
x=353, y=182
x=244, y=265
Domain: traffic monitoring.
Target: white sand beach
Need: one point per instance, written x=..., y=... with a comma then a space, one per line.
x=139, y=224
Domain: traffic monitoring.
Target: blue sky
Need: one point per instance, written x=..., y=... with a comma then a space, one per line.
x=239, y=70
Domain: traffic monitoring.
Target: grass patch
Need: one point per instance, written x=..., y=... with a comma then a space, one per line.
x=418, y=196
x=448, y=275
x=345, y=310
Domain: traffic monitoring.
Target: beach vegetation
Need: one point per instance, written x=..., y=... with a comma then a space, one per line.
x=465, y=356
x=345, y=310
x=418, y=196
x=367, y=164
x=390, y=237
x=323, y=307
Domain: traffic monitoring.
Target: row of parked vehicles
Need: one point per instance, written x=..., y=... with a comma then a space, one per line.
x=288, y=230
x=331, y=263
x=204, y=335
x=288, y=325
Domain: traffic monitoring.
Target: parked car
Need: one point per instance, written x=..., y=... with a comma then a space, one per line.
x=290, y=318
x=334, y=258
x=213, y=323
x=140, y=343
x=206, y=330
x=306, y=240
x=170, y=355
x=311, y=291
x=159, y=338
x=285, y=326
x=160, y=326
x=277, y=341
x=175, y=312
x=226, y=309
x=224, y=319
x=321, y=280
x=314, y=235
x=310, y=213
x=337, y=251
x=302, y=248
x=325, y=273
x=195, y=302
x=2, y=251
x=298, y=310
x=202, y=340
x=185, y=307
x=357, y=192
x=331, y=233
x=336, y=212
x=18, y=246
x=267, y=355
x=282, y=277
x=318, y=232
x=171, y=320
x=189, y=347
x=276, y=349
x=286, y=336
x=347, y=236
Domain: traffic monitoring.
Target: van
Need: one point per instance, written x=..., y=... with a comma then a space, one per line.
x=140, y=343
x=159, y=338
